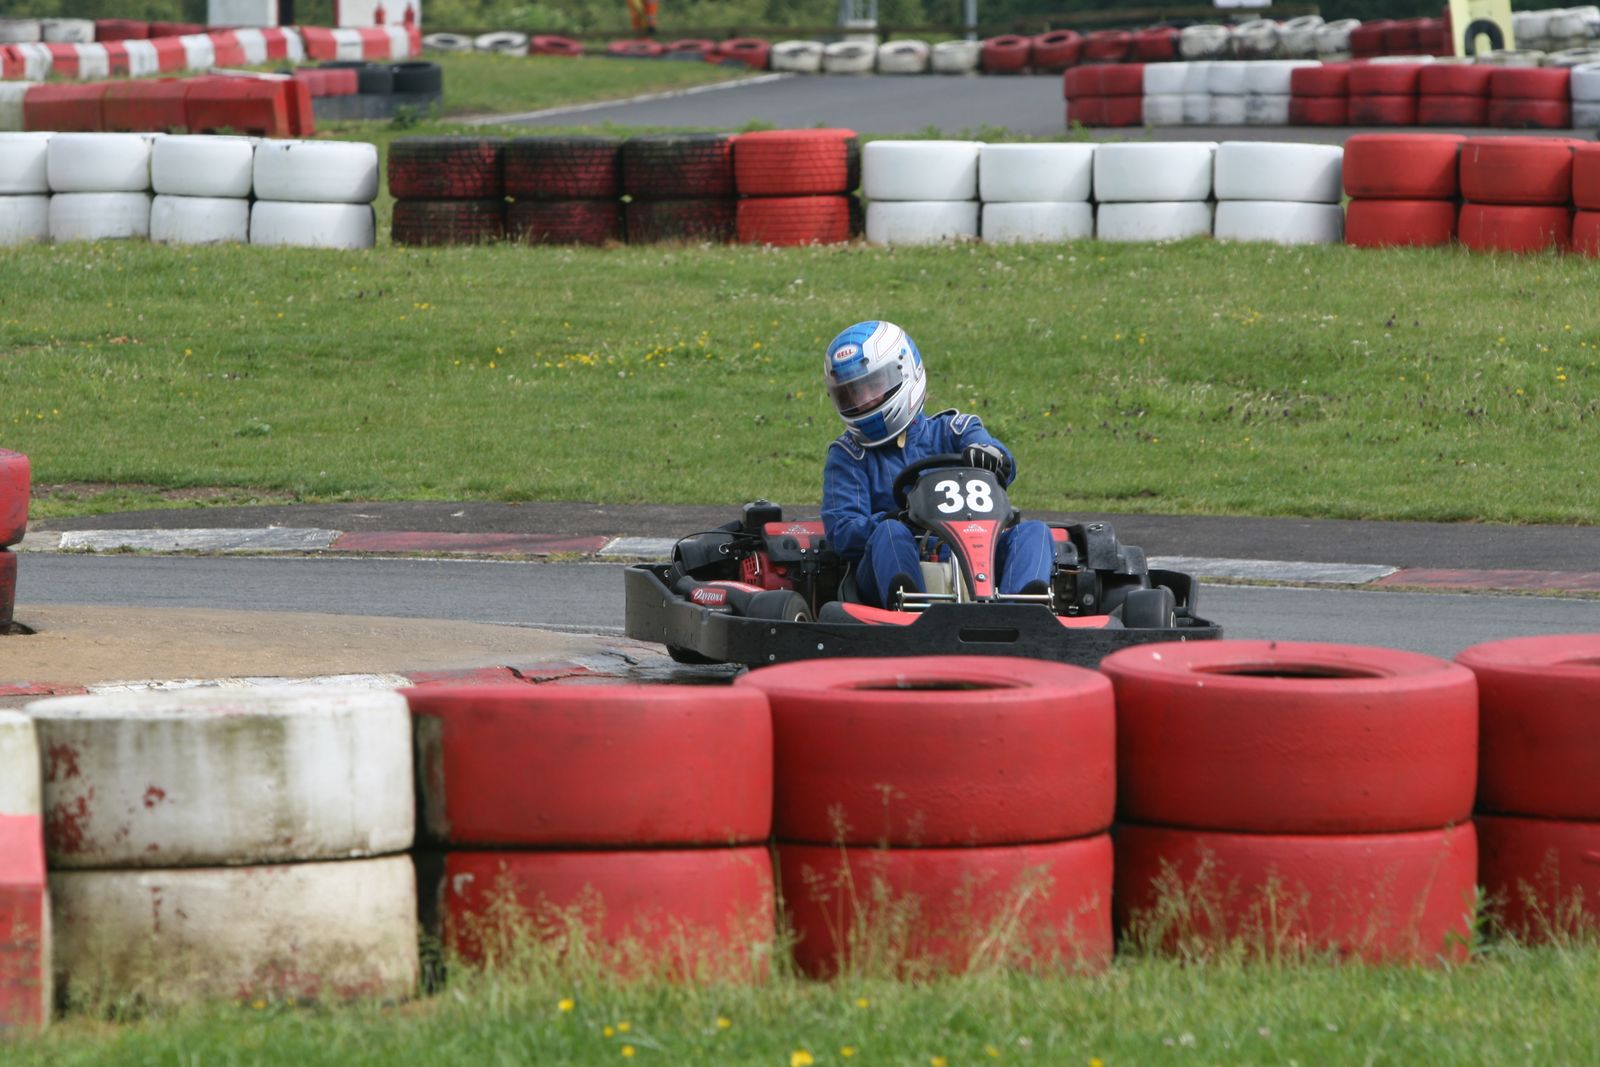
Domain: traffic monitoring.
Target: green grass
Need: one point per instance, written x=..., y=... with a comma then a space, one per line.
x=1190, y=378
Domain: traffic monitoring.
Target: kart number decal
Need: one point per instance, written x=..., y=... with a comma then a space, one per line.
x=977, y=497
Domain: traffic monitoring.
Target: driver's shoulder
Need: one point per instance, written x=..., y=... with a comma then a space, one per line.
x=959, y=422
x=849, y=446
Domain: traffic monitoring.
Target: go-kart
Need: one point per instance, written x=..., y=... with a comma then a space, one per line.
x=762, y=590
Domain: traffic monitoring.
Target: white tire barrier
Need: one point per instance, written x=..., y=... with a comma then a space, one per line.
x=848, y=57
x=1165, y=110
x=903, y=57
x=1228, y=111
x=1266, y=110
x=36, y=61
x=277, y=223
x=322, y=931
x=1166, y=79
x=1256, y=39
x=1196, y=109
x=94, y=63
x=24, y=163
x=99, y=216
x=225, y=777
x=1173, y=221
x=1333, y=39
x=796, y=57
x=24, y=219
x=199, y=51
x=506, y=42
x=143, y=59
x=919, y=170
x=1298, y=37
x=19, y=767
x=1261, y=170
x=1271, y=77
x=1586, y=115
x=1226, y=78
x=254, y=44
x=11, y=97
x=955, y=57
x=25, y=939
x=99, y=163
x=1203, y=42
x=1585, y=85
x=322, y=172
x=66, y=31
x=199, y=220
x=20, y=31
x=447, y=42
x=1179, y=170
x=1280, y=222
x=921, y=222
x=1025, y=223
x=1035, y=172
x=203, y=166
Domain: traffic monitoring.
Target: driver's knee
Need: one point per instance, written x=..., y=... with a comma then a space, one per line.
x=1030, y=558
x=890, y=561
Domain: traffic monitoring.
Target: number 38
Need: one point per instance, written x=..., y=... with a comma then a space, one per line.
x=977, y=496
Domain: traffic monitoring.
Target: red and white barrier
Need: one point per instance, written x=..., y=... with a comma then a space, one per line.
x=26, y=996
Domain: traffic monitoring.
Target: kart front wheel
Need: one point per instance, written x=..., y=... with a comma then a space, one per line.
x=1150, y=609
x=688, y=656
x=779, y=605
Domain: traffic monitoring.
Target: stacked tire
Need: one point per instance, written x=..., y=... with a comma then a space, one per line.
x=202, y=187
x=1226, y=84
x=1453, y=94
x=27, y=996
x=24, y=188
x=942, y=814
x=254, y=849
x=16, y=480
x=1320, y=95
x=1518, y=193
x=920, y=192
x=633, y=819
x=1036, y=192
x=1586, y=198
x=447, y=190
x=1384, y=94
x=101, y=186
x=1295, y=797
x=680, y=186
x=1539, y=782
x=1403, y=189
x=314, y=194
x=1586, y=96
x=1284, y=193
x=1530, y=98
x=1153, y=192
x=795, y=186
x=1269, y=88
x=564, y=190
x=1164, y=86
x=1108, y=95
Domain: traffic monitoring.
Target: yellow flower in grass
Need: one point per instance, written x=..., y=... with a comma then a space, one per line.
x=624, y=1026
x=565, y=1004
x=992, y=1052
x=723, y=1022
x=938, y=1061
x=627, y=1051
x=607, y=1032
x=863, y=1002
x=801, y=1058
x=847, y=1051
x=1096, y=1061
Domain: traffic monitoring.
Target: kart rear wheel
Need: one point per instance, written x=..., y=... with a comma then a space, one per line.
x=1150, y=609
x=688, y=656
x=779, y=605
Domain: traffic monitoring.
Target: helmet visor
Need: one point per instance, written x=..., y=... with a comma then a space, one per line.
x=866, y=393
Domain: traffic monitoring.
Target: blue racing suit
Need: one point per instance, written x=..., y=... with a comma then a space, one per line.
x=858, y=508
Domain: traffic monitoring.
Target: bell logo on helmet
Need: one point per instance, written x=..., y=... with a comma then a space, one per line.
x=846, y=353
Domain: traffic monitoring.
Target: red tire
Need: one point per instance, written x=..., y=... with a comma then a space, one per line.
x=1452, y=110
x=448, y=222
x=1057, y=50
x=753, y=53
x=796, y=162
x=1400, y=223
x=1383, y=110
x=563, y=168
x=1319, y=110
x=446, y=168
x=1087, y=111
x=1514, y=228
x=16, y=480
x=1052, y=902
x=1123, y=79
x=678, y=166
x=635, y=49
x=1586, y=233
x=692, y=46
x=929, y=753
x=1539, y=705
x=1531, y=83
x=1332, y=79
x=794, y=220
x=1402, y=166
x=1122, y=111
x=705, y=912
x=1006, y=54
x=8, y=588
x=1384, y=79
x=593, y=766
x=1082, y=81
x=565, y=222
x=1529, y=114
x=1292, y=737
x=1157, y=45
x=681, y=220
x=1366, y=40
x=1455, y=79
x=1542, y=875
x=549, y=44
x=1517, y=170
x=1586, y=176
x=1400, y=38
x=1374, y=896
x=1107, y=46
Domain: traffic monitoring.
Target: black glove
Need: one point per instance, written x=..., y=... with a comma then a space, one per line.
x=986, y=457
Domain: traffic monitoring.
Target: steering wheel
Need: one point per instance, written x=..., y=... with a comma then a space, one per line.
x=902, y=484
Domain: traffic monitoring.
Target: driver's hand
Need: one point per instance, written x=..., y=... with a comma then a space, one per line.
x=985, y=457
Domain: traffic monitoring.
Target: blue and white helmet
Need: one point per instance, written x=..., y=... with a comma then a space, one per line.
x=875, y=377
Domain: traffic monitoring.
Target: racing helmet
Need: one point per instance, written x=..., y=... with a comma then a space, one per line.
x=875, y=379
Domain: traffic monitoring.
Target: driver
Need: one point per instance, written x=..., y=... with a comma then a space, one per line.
x=874, y=376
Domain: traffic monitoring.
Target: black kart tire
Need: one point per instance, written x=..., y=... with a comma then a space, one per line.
x=1150, y=609
x=564, y=168
x=681, y=220
x=418, y=76
x=448, y=222
x=689, y=656
x=446, y=168
x=779, y=605
x=686, y=166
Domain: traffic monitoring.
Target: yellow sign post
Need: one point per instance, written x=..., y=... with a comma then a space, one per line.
x=1489, y=20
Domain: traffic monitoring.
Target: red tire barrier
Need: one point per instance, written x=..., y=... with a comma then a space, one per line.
x=794, y=220
x=1384, y=79
x=1529, y=114
x=796, y=162
x=550, y=44
x=563, y=168
x=1366, y=40
x=1122, y=79
x=1332, y=79
x=1530, y=83
x=1400, y=38
x=681, y=220
x=1122, y=111
x=1452, y=110
x=692, y=45
x=1319, y=110
x=446, y=168
x=448, y=222
x=932, y=753
x=1107, y=46
x=64, y=108
x=226, y=50
x=753, y=53
x=8, y=608
x=1081, y=81
x=565, y=222
x=1455, y=79
x=319, y=42
x=1156, y=45
x=157, y=106
x=1517, y=170
x=16, y=480
x=1403, y=166
x=121, y=30
x=1514, y=228
x=1006, y=54
x=1433, y=37
x=1586, y=176
x=1383, y=110
x=257, y=106
x=678, y=166
x=1586, y=233
x=594, y=766
x=25, y=945
x=689, y=912
x=375, y=43
x=635, y=49
x=1539, y=705
x=1057, y=50
x=1290, y=737
x=1375, y=896
x=170, y=56
x=1400, y=223
x=1049, y=902
x=1542, y=874
x=1087, y=110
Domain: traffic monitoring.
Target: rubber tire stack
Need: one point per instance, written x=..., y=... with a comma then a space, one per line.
x=1530, y=98
x=1539, y=782
x=795, y=186
x=1586, y=96
x=1384, y=94
x=314, y=194
x=1225, y=82
x=638, y=814
x=1164, y=86
x=101, y=186
x=1111, y=95
x=16, y=482
x=1269, y=88
x=1290, y=796
x=920, y=192
x=270, y=824
x=924, y=804
x=26, y=996
x=447, y=190
x=1518, y=193
x=1453, y=94
x=1153, y=192
x=564, y=190
x=1586, y=198
x=202, y=187
x=24, y=188
x=1284, y=193
x=1402, y=188
x=1319, y=95
x=1036, y=192
x=681, y=188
